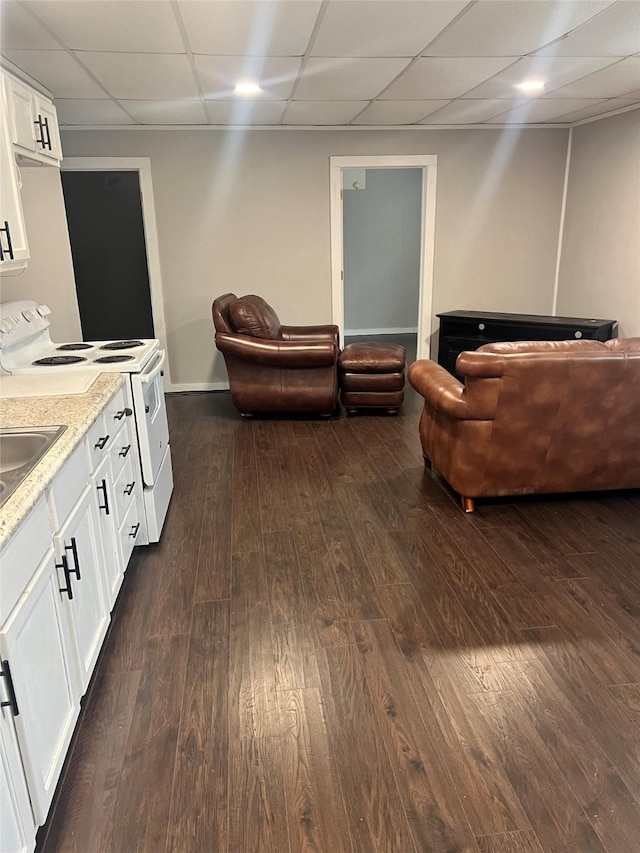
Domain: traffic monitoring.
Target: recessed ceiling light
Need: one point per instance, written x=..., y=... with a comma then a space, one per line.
x=247, y=89
x=531, y=86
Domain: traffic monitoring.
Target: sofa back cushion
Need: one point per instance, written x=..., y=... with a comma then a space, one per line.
x=251, y=315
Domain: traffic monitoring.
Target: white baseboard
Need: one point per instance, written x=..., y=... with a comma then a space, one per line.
x=394, y=331
x=182, y=387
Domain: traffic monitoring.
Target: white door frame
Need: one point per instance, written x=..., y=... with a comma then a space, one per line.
x=429, y=165
x=141, y=165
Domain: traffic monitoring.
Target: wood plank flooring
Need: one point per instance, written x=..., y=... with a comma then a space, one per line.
x=324, y=654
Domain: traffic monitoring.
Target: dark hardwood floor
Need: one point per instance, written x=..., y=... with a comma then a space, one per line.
x=324, y=654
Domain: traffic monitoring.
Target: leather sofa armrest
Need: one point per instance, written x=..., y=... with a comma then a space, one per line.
x=311, y=333
x=286, y=354
x=444, y=393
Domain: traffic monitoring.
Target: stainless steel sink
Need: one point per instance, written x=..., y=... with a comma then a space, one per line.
x=20, y=451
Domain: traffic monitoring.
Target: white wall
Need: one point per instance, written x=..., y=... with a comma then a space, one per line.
x=49, y=277
x=248, y=211
x=382, y=227
x=600, y=264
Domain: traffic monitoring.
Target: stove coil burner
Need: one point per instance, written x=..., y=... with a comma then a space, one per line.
x=72, y=347
x=54, y=360
x=123, y=345
x=112, y=359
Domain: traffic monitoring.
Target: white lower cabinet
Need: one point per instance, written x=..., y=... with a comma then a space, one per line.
x=79, y=551
x=35, y=642
x=17, y=827
x=60, y=574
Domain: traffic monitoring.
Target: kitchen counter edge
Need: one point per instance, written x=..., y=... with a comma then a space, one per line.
x=75, y=411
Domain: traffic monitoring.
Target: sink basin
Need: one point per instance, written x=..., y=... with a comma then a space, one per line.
x=20, y=451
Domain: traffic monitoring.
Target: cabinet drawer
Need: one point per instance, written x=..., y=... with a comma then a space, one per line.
x=128, y=532
x=125, y=489
x=98, y=442
x=122, y=449
x=21, y=556
x=68, y=485
x=115, y=412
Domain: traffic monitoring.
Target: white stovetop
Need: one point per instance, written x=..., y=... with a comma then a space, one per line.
x=47, y=384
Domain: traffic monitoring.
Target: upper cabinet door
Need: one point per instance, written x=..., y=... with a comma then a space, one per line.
x=14, y=250
x=33, y=123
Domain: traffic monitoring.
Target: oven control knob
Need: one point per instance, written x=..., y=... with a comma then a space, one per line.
x=43, y=310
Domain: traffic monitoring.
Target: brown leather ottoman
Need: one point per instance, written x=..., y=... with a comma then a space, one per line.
x=372, y=376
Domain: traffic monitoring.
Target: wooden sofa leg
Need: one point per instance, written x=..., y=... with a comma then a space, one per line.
x=468, y=504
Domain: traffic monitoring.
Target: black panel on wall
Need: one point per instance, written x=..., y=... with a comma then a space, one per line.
x=106, y=231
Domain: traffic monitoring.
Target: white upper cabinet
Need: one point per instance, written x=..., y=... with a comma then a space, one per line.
x=33, y=123
x=14, y=249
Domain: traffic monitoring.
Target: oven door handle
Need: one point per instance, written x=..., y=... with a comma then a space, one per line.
x=149, y=377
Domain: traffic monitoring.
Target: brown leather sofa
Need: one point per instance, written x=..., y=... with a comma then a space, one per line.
x=534, y=418
x=271, y=367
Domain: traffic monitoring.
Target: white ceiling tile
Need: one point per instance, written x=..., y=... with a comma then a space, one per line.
x=554, y=71
x=542, y=110
x=614, y=32
x=512, y=27
x=383, y=28
x=600, y=109
x=166, y=112
x=245, y=112
x=322, y=112
x=249, y=28
x=444, y=78
x=219, y=75
x=346, y=79
x=20, y=30
x=472, y=112
x=142, y=26
x=612, y=82
x=57, y=71
x=92, y=112
x=398, y=112
x=145, y=76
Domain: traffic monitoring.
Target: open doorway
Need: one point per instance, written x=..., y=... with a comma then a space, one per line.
x=381, y=240
x=126, y=192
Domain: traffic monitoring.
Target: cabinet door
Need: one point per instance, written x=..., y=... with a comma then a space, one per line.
x=77, y=544
x=106, y=509
x=17, y=826
x=36, y=645
x=47, y=133
x=21, y=118
x=13, y=235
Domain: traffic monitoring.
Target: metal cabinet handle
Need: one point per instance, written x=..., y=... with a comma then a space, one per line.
x=121, y=414
x=104, y=506
x=11, y=702
x=130, y=487
x=47, y=142
x=74, y=550
x=101, y=442
x=40, y=125
x=134, y=530
x=67, y=579
x=9, y=249
x=125, y=450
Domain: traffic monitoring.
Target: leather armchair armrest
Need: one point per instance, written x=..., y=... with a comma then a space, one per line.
x=269, y=353
x=444, y=393
x=311, y=333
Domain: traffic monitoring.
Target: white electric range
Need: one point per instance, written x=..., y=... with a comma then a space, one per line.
x=26, y=349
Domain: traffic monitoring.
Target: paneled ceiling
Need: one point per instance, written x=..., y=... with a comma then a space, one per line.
x=337, y=62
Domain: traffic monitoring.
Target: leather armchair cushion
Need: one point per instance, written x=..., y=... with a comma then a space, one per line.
x=251, y=315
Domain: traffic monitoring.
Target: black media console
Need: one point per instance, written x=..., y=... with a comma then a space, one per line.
x=468, y=330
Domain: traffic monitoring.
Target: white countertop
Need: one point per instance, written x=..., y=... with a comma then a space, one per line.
x=77, y=412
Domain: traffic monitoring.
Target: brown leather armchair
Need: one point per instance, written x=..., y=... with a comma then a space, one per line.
x=271, y=367
x=534, y=418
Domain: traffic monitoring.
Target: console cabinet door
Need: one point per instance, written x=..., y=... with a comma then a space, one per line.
x=34, y=641
x=77, y=544
x=107, y=514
